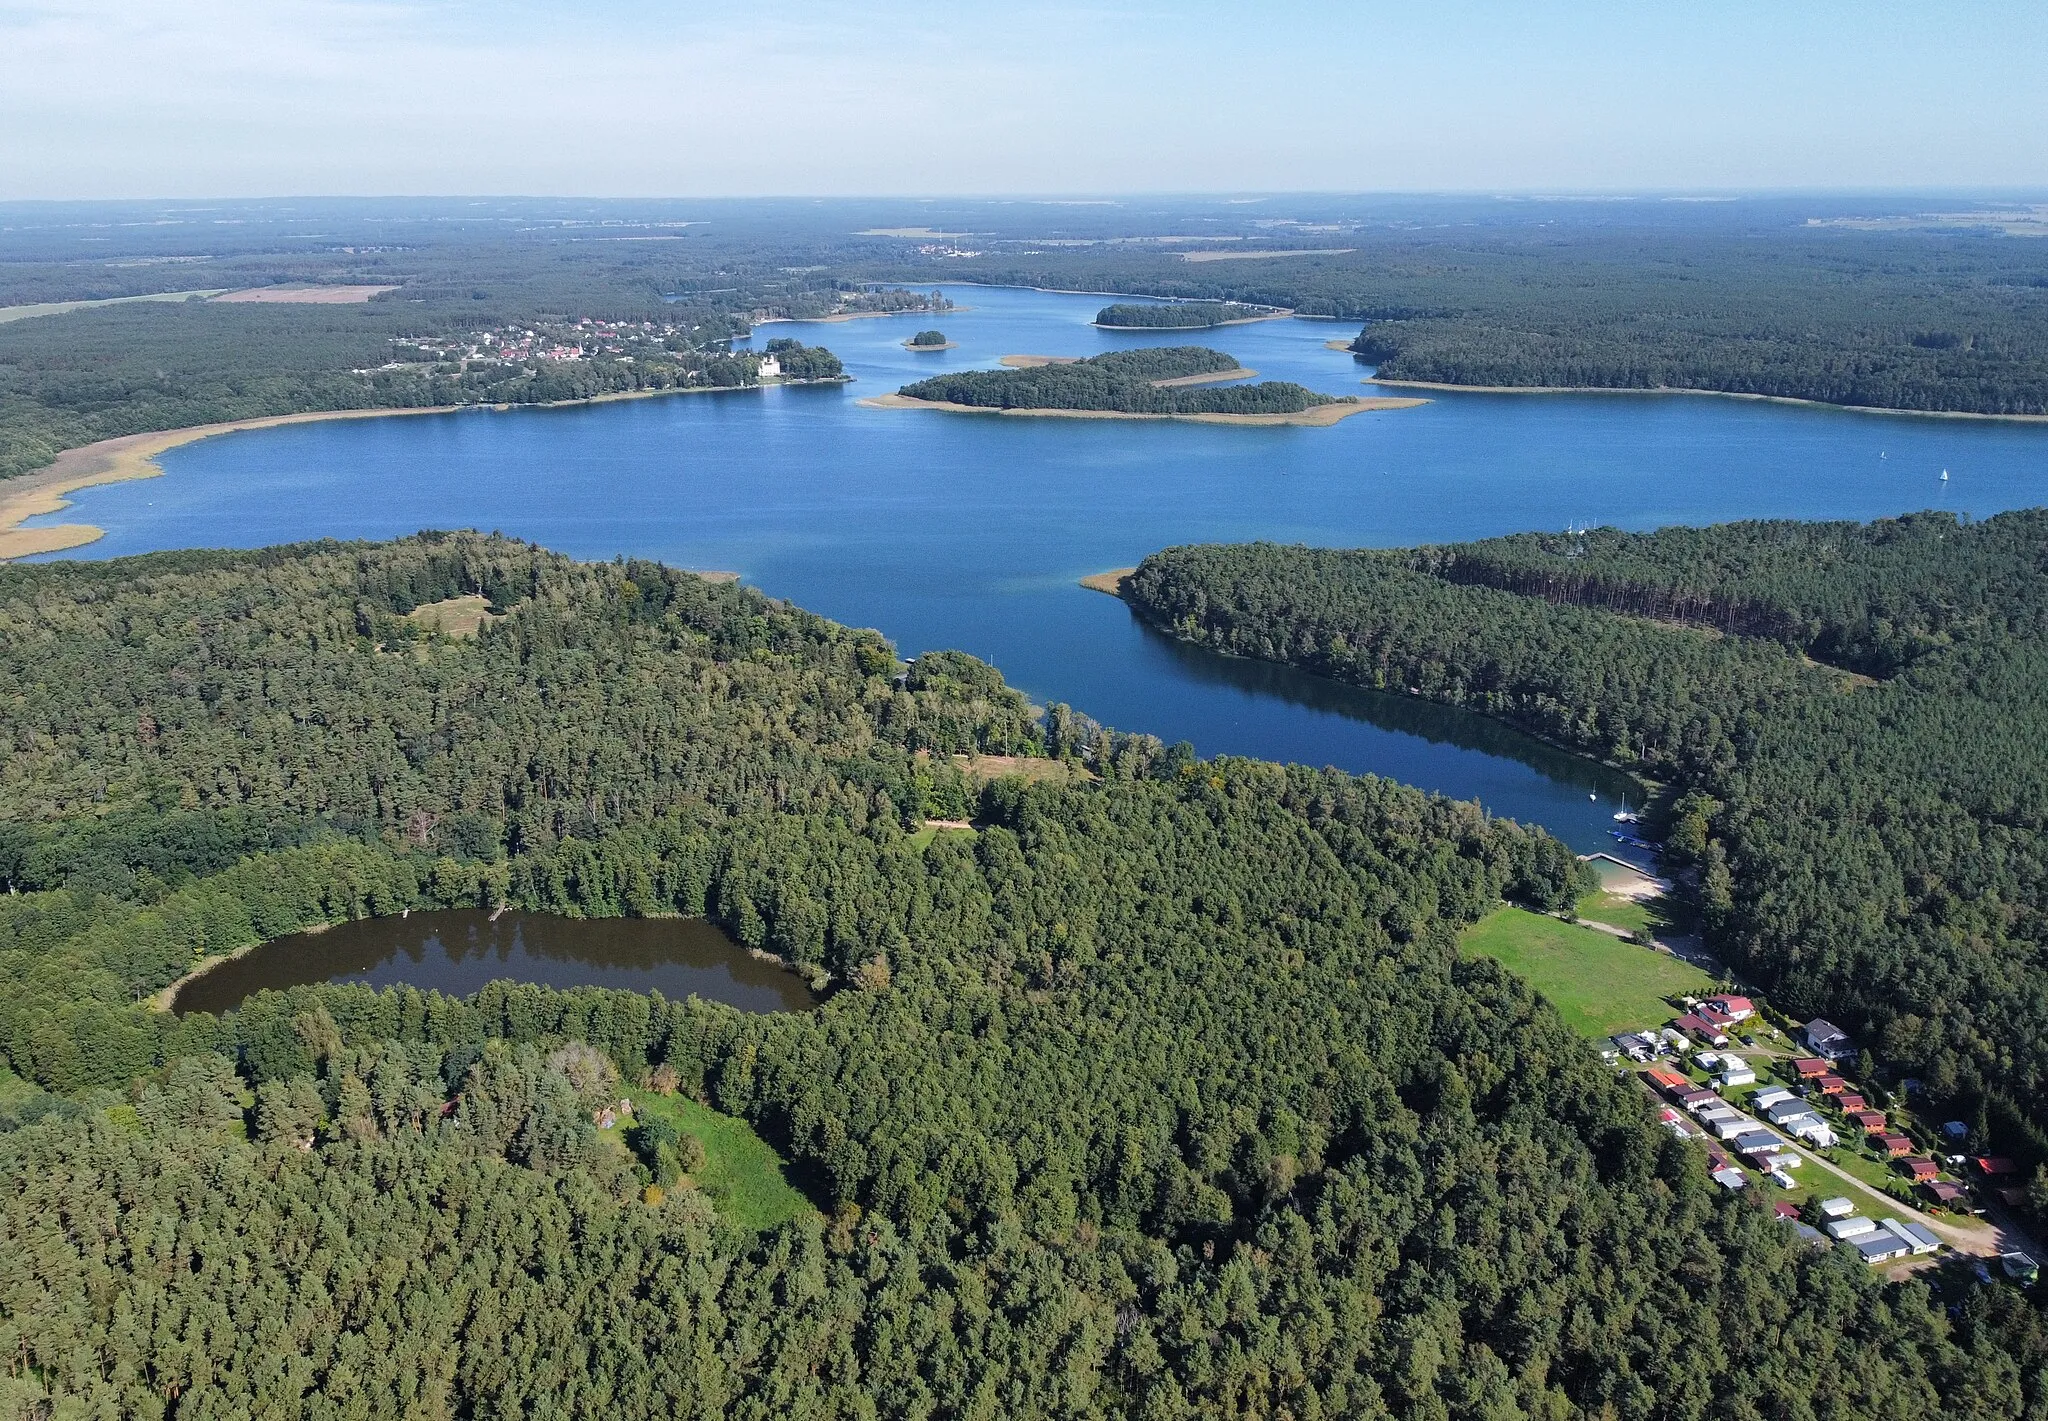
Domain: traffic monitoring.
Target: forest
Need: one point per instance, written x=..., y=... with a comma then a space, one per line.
x=1164, y=1093
x=1178, y=315
x=1849, y=717
x=1927, y=322
x=1124, y=381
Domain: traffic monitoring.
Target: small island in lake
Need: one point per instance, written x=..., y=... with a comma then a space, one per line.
x=929, y=340
x=1183, y=315
x=1152, y=383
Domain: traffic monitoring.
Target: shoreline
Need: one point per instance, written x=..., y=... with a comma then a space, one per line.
x=127, y=457
x=1033, y=362
x=1281, y=315
x=838, y=317
x=948, y=345
x=1314, y=417
x=166, y=998
x=1335, y=344
x=1206, y=377
x=1111, y=581
x=1683, y=390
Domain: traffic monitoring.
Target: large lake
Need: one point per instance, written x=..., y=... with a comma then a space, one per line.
x=970, y=531
x=459, y=950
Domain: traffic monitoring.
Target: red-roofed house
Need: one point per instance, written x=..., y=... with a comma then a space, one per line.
x=1920, y=1169
x=1995, y=1164
x=1832, y=1085
x=1710, y=1014
x=1871, y=1122
x=1701, y=1030
x=1734, y=1008
x=1784, y=1210
x=1810, y=1067
x=1895, y=1145
x=1944, y=1192
x=1849, y=1100
x=1668, y=1081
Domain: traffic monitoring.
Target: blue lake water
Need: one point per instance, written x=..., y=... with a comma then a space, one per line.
x=970, y=531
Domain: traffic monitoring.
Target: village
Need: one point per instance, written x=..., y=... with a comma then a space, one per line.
x=1775, y=1102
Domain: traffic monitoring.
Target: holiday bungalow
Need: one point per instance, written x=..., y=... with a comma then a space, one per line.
x=1920, y=1169
x=1701, y=1030
x=1992, y=1165
x=1734, y=1008
x=1945, y=1192
x=1809, y=1068
x=1870, y=1122
x=1895, y=1145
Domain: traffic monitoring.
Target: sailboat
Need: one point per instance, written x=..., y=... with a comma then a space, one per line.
x=1944, y=475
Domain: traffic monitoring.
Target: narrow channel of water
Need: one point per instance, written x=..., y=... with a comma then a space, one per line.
x=458, y=951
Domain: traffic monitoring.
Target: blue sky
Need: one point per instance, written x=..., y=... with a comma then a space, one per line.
x=112, y=98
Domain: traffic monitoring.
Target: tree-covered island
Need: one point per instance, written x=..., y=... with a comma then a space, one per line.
x=1121, y=382
x=1180, y=315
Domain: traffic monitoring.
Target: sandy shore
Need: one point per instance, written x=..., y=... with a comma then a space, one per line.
x=1314, y=417
x=1336, y=345
x=1681, y=390
x=133, y=456
x=949, y=345
x=839, y=316
x=1032, y=362
x=1111, y=582
x=1207, y=377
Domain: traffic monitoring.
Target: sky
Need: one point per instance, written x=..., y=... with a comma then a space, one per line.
x=634, y=98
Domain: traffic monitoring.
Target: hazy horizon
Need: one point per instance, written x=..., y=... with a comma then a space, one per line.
x=199, y=99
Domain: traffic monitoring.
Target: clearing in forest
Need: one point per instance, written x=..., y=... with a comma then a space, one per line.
x=1599, y=984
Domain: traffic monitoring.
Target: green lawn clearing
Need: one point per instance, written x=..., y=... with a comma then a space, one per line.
x=742, y=1175
x=1599, y=984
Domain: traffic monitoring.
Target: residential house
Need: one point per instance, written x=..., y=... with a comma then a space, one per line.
x=1704, y=1032
x=1920, y=1169
x=1792, y=1107
x=1728, y=1126
x=1809, y=1068
x=1767, y=1097
x=1838, y=1207
x=1993, y=1165
x=1895, y=1145
x=1848, y=1228
x=1956, y=1131
x=1849, y=1100
x=1870, y=1122
x=1824, y=1038
x=1697, y=1098
x=1831, y=1085
x=1740, y=1074
x=1734, y=1008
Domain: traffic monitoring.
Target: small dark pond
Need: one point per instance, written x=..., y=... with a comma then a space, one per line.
x=457, y=952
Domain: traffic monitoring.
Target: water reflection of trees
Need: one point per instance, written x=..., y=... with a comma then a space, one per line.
x=1402, y=715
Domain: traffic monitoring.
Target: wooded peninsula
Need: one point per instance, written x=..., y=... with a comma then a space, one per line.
x=1163, y=1091
x=1849, y=714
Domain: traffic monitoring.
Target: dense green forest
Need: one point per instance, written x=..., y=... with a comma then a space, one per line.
x=1125, y=381
x=1163, y=1094
x=1870, y=835
x=1178, y=315
x=1934, y=322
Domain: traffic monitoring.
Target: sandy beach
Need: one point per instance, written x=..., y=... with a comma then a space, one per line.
x=133, y=456
x=1111, y=582
x=1032, y=362
x=1314, y=417
x=1336, y=345
x=1206, y=377
x=1681, y=390
x=947, y=345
